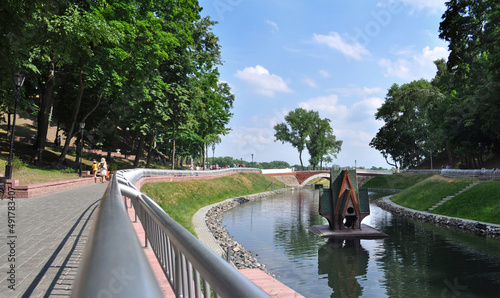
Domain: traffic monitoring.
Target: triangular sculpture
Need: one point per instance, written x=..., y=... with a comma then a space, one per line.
x=344, y=206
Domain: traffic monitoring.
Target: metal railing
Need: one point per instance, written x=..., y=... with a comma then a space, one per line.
x=115, y=265
x=488, y=174
x=422, y=171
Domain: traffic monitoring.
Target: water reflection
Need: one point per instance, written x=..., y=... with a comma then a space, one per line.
x=343, y=261
x=416, y=260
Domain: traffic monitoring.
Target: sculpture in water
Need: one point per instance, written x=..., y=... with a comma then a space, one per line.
x=344, y=206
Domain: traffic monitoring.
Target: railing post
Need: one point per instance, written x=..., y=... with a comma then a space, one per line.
x=178, y=274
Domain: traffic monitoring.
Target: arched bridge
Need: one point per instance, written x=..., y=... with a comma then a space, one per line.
x=304, y=177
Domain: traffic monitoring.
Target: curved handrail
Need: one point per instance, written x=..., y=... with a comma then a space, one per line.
x=114, y=263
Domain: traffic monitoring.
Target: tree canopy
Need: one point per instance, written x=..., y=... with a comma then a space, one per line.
x=458, y=111
x=135, y=69
x=305, y=129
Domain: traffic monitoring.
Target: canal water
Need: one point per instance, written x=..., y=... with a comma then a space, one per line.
x=417, y=260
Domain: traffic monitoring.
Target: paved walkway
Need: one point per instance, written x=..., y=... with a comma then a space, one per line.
x=46, y=241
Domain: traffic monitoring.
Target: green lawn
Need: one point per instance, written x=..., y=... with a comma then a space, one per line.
x=396, y=181
x=181, y=200
x=481, y=202
x=427, y=193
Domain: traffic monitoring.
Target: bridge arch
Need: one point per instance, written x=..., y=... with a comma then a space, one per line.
x=320, y=175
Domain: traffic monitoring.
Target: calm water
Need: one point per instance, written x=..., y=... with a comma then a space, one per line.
x=417, y=260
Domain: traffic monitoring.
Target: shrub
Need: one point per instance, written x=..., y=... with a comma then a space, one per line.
x=17, y=163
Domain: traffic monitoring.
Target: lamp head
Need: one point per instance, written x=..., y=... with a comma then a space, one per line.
x=19, y=79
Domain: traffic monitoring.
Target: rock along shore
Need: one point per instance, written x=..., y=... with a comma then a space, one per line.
x=241, y=258
x=454, y=223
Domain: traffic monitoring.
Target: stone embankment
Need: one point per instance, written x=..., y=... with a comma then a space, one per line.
x=241, y=258
x=288, y=180
x=454, y=223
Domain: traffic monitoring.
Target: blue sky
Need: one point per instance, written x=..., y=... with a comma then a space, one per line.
x=335, y=57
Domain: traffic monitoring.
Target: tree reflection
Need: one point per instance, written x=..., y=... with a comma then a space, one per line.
x=294, y=235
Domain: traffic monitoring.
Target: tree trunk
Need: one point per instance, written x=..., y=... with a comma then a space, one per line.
x=76, y=110
x=57, y=130
x=43, y=114
x=173, y=147
x=204, y=156
x=150, y=151
x=448, y=152
x=300, y=157
x=139, y=151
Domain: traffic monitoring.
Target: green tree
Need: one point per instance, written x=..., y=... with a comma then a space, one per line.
x=322, y=144
x=405, y=134
x=472, y=29
x=305, y=129
x=295, y=130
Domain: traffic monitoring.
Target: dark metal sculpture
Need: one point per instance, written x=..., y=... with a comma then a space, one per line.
x=344, y=206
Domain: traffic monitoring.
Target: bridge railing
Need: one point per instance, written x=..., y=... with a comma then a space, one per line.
x=114, y=263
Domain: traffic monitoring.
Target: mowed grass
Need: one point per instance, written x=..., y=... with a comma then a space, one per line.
x=30, y=175
x=481, y=202
x=181, y=200
x=396, y=181
x=427, y=193
x=320, y=180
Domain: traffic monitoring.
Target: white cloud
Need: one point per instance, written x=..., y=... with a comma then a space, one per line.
x=262, y=82
x=366, y=109
x=399, y=68
x=358, y=91
x=274, y=25
x=324, y=73
x=346, y=46
x=328, y=106
x=310, y=82
x=257, y=137
x=428, y=56
x=418, y=66
x=355, y=123
x=435, y=6
x=325, y=104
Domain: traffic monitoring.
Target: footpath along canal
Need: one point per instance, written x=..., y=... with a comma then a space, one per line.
x=417, y=259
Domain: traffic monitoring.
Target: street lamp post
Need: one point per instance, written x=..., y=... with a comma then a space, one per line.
x=19, y=81
x=252, y=160
x=82, y=126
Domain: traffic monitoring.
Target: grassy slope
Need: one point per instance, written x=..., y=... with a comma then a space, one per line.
x=427, y=193
x=181, y=200
x=396, y=181
x=482, y=202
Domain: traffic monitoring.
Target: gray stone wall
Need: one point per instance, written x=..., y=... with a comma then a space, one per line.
x=454, y=223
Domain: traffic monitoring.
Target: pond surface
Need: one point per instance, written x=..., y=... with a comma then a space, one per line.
x=417, y=260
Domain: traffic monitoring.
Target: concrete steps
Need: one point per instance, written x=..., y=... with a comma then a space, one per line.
x=451, y=197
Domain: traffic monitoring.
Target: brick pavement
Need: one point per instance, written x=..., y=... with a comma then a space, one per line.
x=50, y=234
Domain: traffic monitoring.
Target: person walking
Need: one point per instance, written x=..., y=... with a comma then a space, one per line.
x=103, y=168
x=94, y=170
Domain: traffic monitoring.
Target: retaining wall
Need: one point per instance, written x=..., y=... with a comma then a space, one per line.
x=454, y=223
